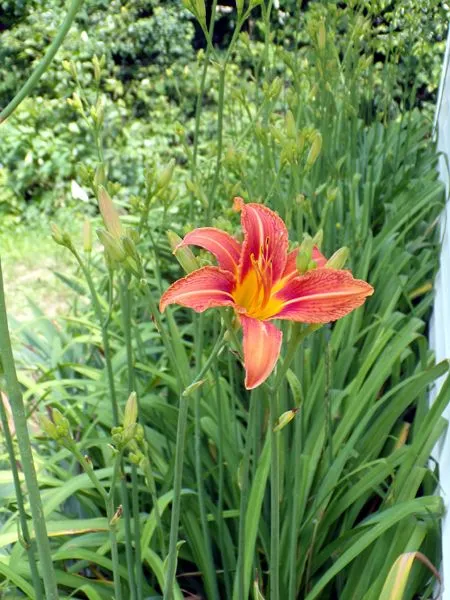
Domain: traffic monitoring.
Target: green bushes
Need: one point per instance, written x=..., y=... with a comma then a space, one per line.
x=151, y=76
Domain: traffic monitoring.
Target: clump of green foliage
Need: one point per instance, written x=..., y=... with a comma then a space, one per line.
x=152, y=77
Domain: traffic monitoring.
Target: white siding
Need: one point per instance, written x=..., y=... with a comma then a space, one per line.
x=440, y=323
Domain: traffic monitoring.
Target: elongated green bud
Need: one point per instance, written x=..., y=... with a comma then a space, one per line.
x=164, y=178
x=291, y=127
x=48, y=427
x=318, y=239
x=70, y=67
x=57, y=429
x=131, y=411
x=184, y=255
x=60, y=237
x=100, y=176
x=109, y=213
x=339, y=258
x=87, y=236
x=193, y=387
x=285, y=419
x=117, y=516
x=114, y=249
x=321, y=36
x=315, y=149
x=302, y=261
x=97, y=65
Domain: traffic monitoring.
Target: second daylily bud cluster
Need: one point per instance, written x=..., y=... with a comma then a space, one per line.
x=57, y=428
x=305, y=261
x=295, y=144
x=119, y=243
x=130, y=435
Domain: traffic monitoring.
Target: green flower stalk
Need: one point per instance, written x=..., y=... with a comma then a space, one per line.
x=20, y=422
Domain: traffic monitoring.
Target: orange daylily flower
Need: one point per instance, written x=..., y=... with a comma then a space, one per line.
x=259, y=279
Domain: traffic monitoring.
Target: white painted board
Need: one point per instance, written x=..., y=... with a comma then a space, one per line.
x=440, y=322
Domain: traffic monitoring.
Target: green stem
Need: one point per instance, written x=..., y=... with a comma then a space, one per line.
x=244, y=485
x=30, y=544
x=297, y=336
x=179, y=455
x=125, y=300
x=108, y=499
x=148, y=474
x=112, y=529
x=220, y=114
x=105, y=338
x=209, y=575
x=199, y=103
x=23, y=438
x=31, y=82
x=113, y=398
x=274, y=501
x=178, y=475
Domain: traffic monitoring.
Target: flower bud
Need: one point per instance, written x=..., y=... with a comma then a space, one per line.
x=315, y=149
x=284, y=419
x=60, y=237
x=275, y=88
x=276, y=134
x=69, y=66
x=193, y=388
x=114, y=249
x=291, y=127
x=132, y=233
x=76, y=102
x=184, y=255
x=100, y=176
x=131, y=411
x=135, y=457
x=57, y=428
x=318, y=239
x=96, y=63
x=130, y=248
x=87, y=236
x=339, y=258
x=332, y=193
x=164, y=178
x=48, y=427
x=117, y=516
x=321, y=36
x=302, y=261
x=257, y=595
x=98, y=113
x=57, y=234
x=109, y=213
x=139, y=433
x=62, y=424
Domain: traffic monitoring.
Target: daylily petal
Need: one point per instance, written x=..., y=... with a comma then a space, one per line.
x=291, y=266
x=225, y=248
x=321, y=296
x=266, y=236
x=201, y=289
x=262, y=344
x=318, y=257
